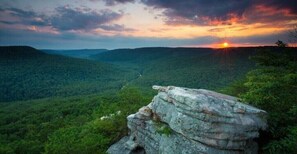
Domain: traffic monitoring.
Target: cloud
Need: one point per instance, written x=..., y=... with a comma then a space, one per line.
x=72, y=40
x=256, y=22
x=272, y=15
x=281, y=4
x=216, y=30
x=199, y=11
x=220, y=12
x=268, y=39
x=64, y=18
x=115, y=27
x=23, y=17
x=82, y=19
x=113, y=2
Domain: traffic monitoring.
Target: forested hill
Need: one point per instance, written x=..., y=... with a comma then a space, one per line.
x=19, y=52
x=186, y=67
x=81, y=53
x=27, y=73
x=145, y=55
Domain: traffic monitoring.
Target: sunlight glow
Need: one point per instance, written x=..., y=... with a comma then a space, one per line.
x=225, y=44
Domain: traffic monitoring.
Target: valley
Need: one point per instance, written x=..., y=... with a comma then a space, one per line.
x=29, y=74
x=54, y=103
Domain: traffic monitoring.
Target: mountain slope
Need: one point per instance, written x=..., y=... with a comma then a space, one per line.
x=82, y=53
x=18, y=52
x=185, y=67
x=27, y=73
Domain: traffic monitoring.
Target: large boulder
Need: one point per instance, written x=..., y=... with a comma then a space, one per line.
x=182, y=120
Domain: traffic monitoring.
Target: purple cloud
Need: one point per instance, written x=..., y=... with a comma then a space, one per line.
x=113, y=2
x=82, y=19
x=215, y=12
x=115, y=27
x=25, y=17
x=65, y=18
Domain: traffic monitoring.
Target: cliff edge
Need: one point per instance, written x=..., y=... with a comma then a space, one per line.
x=183, y=120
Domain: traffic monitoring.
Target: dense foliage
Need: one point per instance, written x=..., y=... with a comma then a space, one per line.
x=67, y=125
x=94, y=116
x=83, y=53
x=186, y=67
x=27, y=73
x=273, y=87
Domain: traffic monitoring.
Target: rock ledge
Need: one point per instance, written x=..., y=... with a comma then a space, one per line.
x=183, y=120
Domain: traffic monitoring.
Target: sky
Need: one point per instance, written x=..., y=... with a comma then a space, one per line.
x=112, y=24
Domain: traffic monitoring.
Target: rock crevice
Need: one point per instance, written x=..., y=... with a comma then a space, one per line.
x=183, y=120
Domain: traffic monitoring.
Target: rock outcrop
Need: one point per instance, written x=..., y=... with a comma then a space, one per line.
x=182, y=120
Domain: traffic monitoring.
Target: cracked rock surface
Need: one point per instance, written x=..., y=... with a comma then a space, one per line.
x=183, y=120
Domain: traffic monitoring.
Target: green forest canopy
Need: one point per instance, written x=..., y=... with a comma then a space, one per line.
x=81, y=91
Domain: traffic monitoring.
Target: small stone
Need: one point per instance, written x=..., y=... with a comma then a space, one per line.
x=146, y=111
x=131, y=145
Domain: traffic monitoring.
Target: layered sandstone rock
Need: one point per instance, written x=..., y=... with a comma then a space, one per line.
x=182, y=120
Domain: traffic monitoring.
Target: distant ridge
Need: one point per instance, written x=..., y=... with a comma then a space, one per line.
x=19, y=52
x=76, y=53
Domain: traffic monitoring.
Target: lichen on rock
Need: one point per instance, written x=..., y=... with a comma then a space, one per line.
x=200, y=121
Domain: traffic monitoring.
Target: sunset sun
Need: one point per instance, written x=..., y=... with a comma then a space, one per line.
x=225, y=44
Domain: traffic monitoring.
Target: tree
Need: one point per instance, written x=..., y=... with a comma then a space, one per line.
x=273, y=87
x=281, y=44
x=293, y=35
